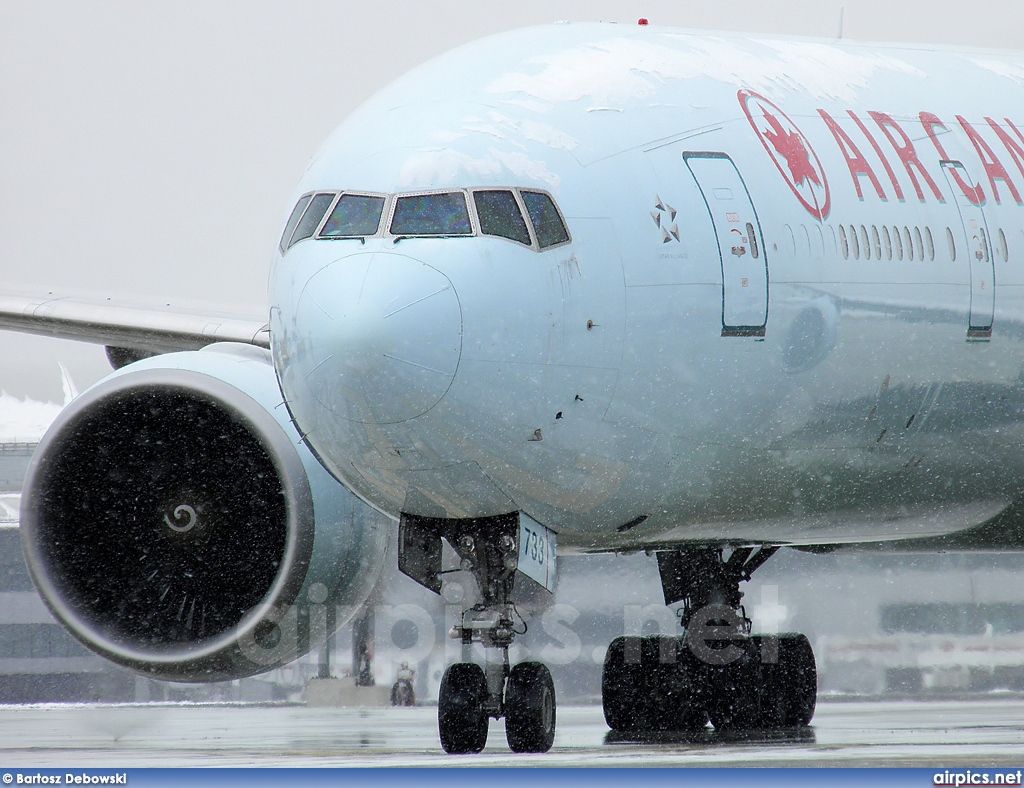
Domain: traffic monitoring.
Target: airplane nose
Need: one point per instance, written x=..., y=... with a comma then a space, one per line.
x=387, y=330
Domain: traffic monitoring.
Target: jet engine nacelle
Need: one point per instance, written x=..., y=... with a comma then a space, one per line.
x=175, y=522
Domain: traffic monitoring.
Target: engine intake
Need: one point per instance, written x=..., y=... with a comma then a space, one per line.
x=169, y=522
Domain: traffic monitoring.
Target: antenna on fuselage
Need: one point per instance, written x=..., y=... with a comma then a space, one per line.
x=842, y=12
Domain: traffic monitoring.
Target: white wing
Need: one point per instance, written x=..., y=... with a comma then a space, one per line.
x=143, y=330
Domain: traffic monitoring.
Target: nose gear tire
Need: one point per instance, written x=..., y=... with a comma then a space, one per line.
x=461, y=719
x=530, y=708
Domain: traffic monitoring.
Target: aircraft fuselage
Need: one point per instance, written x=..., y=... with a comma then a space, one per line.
x=789, y=310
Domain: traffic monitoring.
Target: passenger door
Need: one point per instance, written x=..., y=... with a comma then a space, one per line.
x=975, y=240
x=740, y=244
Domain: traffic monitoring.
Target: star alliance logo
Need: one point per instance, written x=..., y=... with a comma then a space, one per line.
x=661, y=208
x=790, y=150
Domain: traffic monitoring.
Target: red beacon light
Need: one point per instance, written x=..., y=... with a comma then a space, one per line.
x=642, y=21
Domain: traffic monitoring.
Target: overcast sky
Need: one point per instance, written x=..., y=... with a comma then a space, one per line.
x=148, y=149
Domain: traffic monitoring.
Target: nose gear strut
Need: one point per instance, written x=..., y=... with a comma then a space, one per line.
x=492, y=559
x=523, y=694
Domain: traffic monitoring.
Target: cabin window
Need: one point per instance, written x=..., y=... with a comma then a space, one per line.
x=844, y=243
x=1004, y=251
x=918, y=243
x=897, y=241
x=547, y=222
x=431, y=215
x=887, y=240
x=311, y=218
x=854, y=242
x=754, y=251
x=805, y=242
x=500, y=216
x=929, y=243
x=908, y=243
x=864, y=242
x=354, y=216
x=789, y=244
x=831, y=249
x=293, y=220
x=876, y=242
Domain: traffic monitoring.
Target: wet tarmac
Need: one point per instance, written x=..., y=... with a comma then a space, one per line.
x=862, y=733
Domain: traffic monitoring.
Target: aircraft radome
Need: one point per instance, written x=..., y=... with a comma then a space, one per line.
x=576, y=288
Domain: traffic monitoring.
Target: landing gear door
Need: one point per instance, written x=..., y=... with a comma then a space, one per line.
x=537, y=552
x=740, y=244
x=979, y=251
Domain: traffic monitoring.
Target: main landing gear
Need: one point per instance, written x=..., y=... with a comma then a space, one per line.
x=470, y=695
x=717, y=670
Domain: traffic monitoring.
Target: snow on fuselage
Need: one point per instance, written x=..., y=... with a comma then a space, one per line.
x=789, y=310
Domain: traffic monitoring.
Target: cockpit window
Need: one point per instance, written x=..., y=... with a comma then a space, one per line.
x=508, y=212
x=293, y=220
x=431, y=214
x=311, y=218
x=499, y=215
x=547, y=223
x=354, y=216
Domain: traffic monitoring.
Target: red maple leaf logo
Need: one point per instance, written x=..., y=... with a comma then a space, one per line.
x=790, y=147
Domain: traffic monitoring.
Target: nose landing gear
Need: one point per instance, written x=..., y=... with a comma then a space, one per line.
x=717, y=670
x=524, y=694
